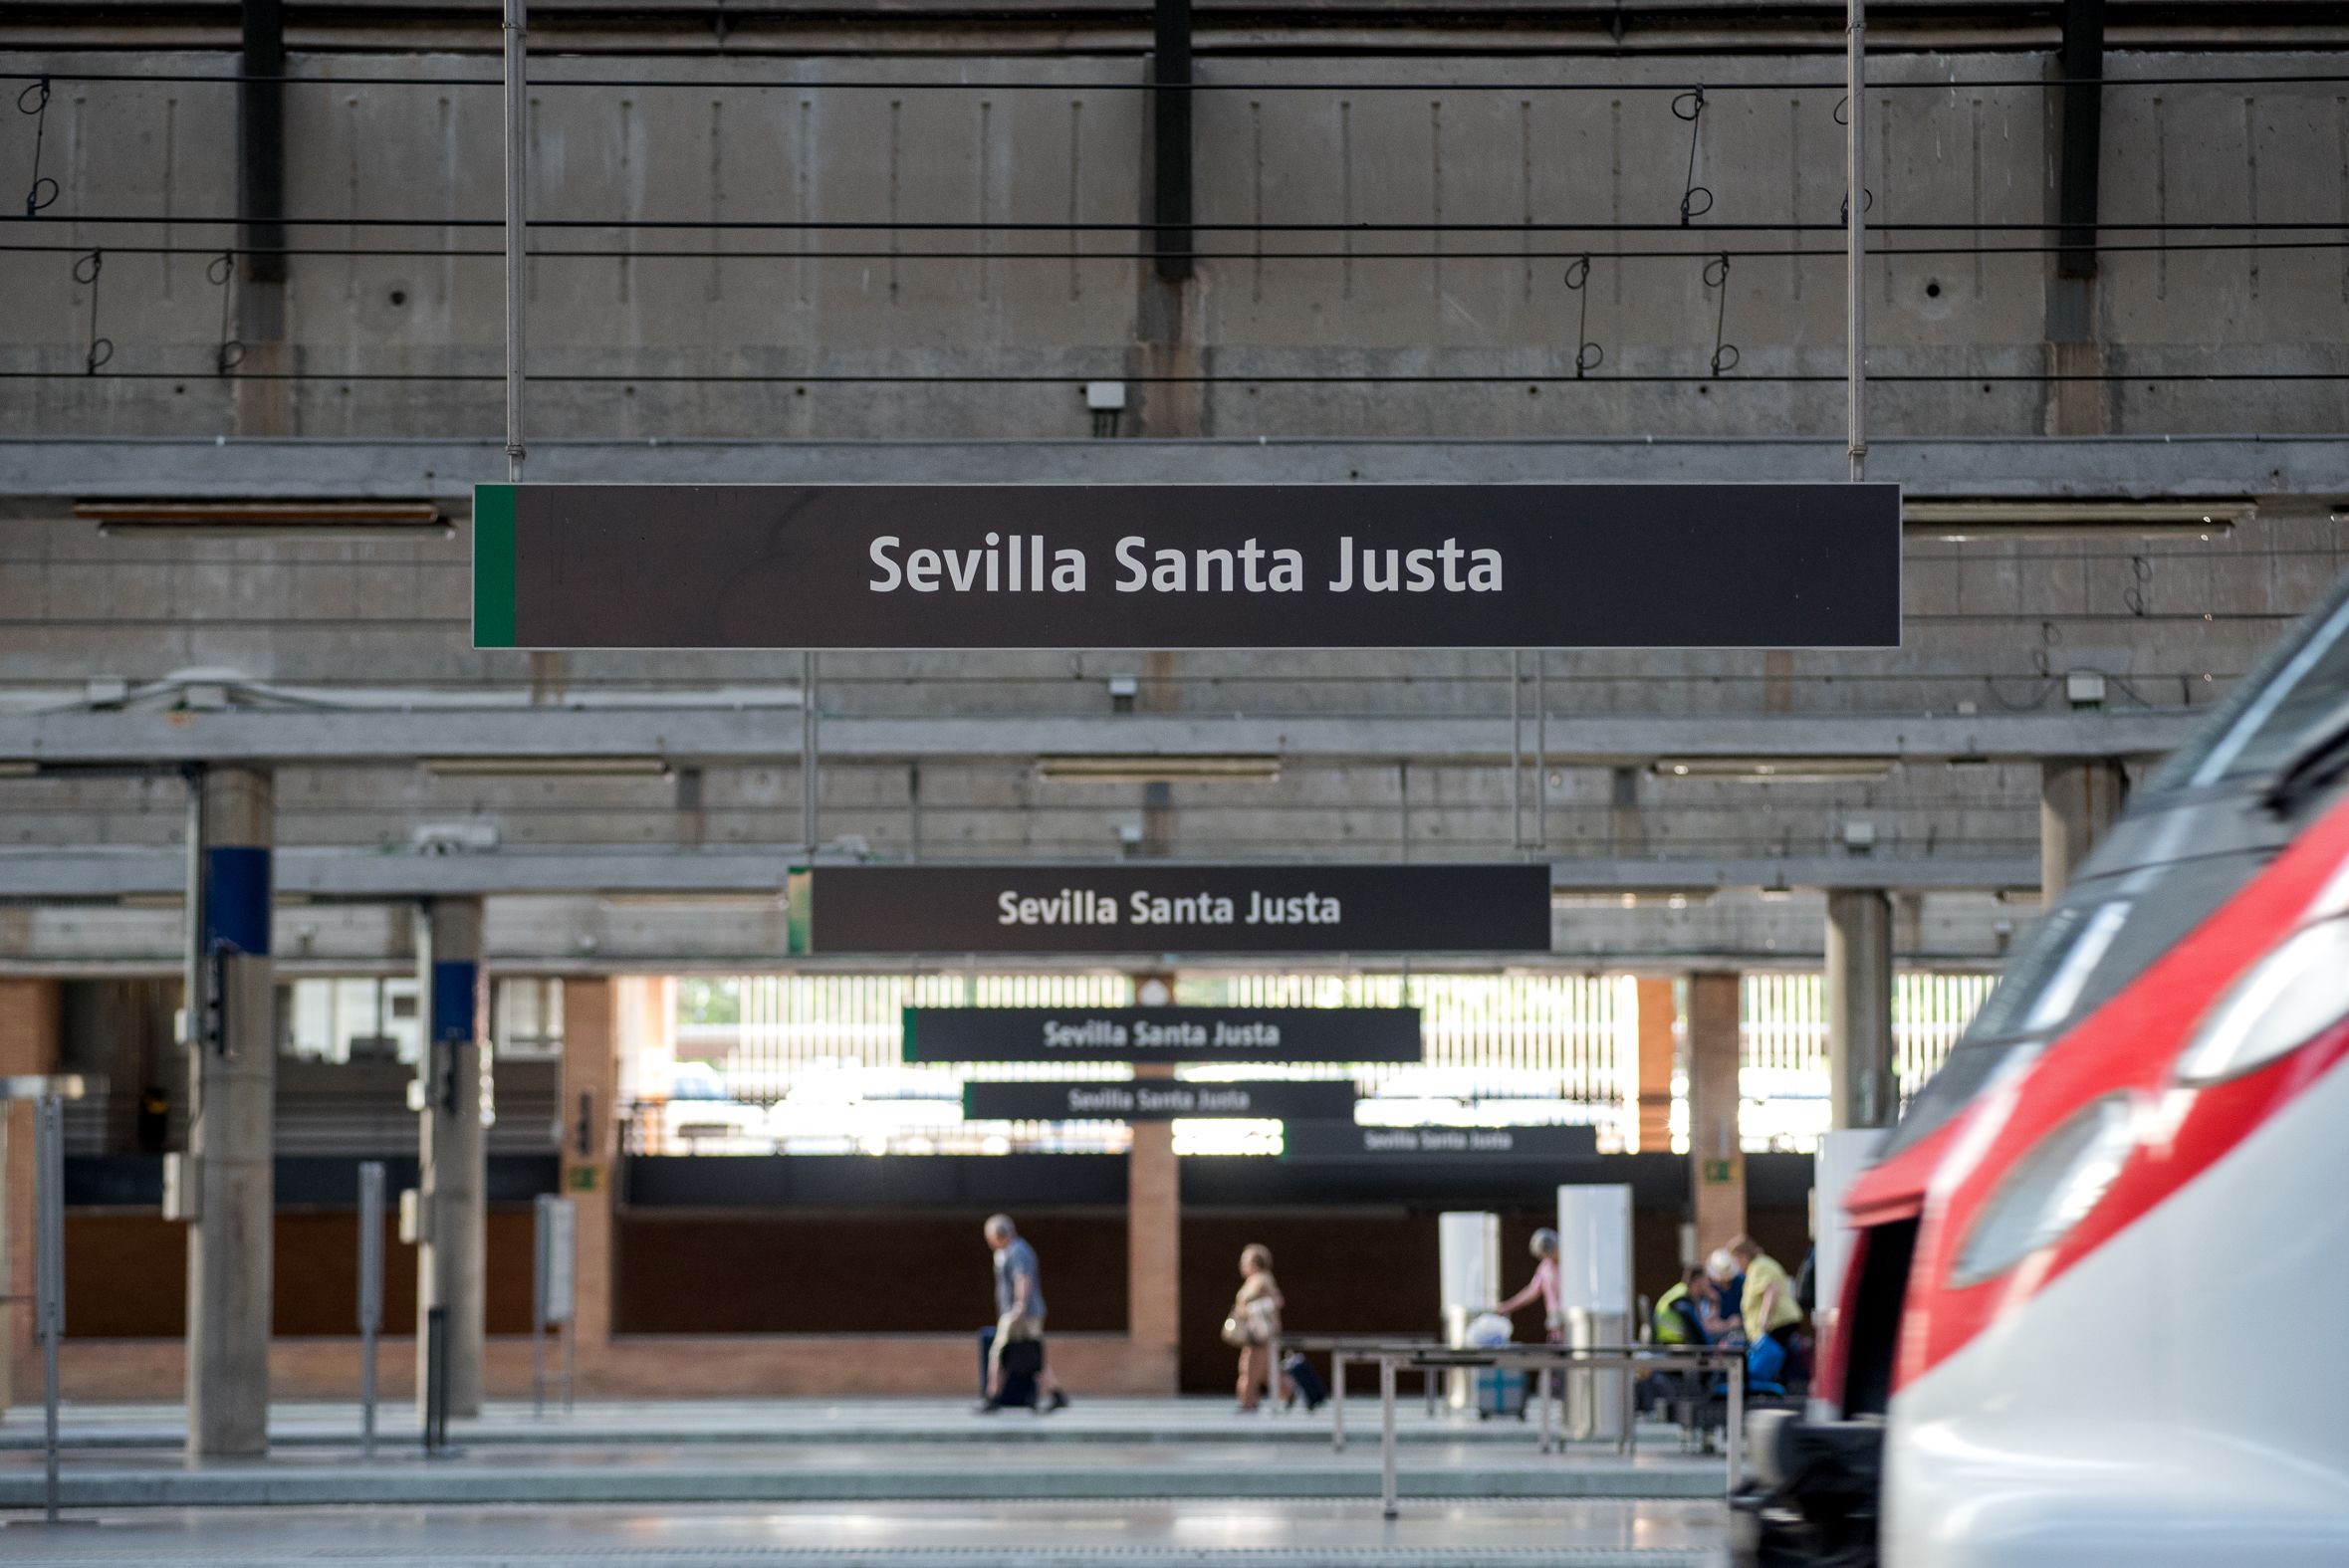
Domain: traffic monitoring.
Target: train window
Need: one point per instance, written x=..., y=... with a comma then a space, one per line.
x=2078, y=959
x=2289, y=701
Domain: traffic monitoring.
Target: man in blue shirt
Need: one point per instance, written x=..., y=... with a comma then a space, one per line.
x=1018, y=1307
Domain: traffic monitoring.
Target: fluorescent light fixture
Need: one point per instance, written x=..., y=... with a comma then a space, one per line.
x=546, y=767
x=11, y=769
x=1775, y=770
x=1158, y=770
x=1986, y=519
x=263, y=519
x=686, y=899
x=1631, y=898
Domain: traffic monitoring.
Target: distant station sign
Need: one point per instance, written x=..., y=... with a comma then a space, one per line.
x=1147, y=1100
x=1186, y=565
x=1344, y=1140
x=1162, y=1035
x=1170, y=909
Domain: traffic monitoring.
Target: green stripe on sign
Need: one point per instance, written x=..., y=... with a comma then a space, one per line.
x=493, y=566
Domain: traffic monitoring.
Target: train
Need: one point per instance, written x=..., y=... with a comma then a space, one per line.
x=2088, y=1313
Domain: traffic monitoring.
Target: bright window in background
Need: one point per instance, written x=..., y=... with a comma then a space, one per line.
x=346, y=1018
x=1782, y=1079
x=525, y=1015
x=810, y=1062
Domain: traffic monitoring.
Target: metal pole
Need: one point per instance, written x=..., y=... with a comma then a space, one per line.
x=435, y=1379
x=1517, y=749
x=371, y=1294
x=517, y=220
x=537, y=1308
x=49, y=1265
x=1386, y=1435
x=1542, y=1392
x=1337, y=1400
x=1735, y=1436
x=1855, y=234
x=1541, y=747
x=807, y=740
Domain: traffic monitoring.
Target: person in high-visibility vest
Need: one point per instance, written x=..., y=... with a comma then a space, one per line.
x=1683, y=1313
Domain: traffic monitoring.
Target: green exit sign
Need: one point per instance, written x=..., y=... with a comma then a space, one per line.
x=1717, y=1170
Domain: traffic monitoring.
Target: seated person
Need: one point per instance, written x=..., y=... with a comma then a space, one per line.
x=1681, y=1312
x=1680, y=1319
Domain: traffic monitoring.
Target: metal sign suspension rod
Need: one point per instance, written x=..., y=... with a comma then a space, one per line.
x=1855, y=204
x=517, y=232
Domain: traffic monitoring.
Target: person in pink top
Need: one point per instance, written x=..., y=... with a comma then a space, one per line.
x=1544, y=1284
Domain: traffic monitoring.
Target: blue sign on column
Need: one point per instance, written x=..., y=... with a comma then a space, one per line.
x=236, y=900
x=454, y=991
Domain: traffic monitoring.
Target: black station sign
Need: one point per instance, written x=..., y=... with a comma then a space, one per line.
x=1161, y=1035
x=1187, y=566
x=1155, y=1100
x=1344, y=1140
x=1180, y=909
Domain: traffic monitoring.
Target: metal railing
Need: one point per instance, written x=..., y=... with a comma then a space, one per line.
x=1431, y=1360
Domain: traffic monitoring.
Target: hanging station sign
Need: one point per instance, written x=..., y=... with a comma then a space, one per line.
x=1346, y=1141
x=1156, y=1100
x=1175, y=909
x=894, y=567
x=1162, y=1035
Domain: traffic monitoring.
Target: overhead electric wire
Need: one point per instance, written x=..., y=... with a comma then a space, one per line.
x=674, y=253
x=997, y=85
x=1072, y=380
x=1132, y=225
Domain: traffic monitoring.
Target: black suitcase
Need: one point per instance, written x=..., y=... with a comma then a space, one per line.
x=1023, y=1359
x=1304, y=1378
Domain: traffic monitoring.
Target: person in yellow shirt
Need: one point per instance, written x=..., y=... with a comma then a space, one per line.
x=1767, y=1308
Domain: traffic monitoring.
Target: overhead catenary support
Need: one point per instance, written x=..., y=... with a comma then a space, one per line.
x=452, y=1158
x=516, y=85
x=1170, y=139
x=2081, y=63
x=261, y=142
x=2078, y=402
x=1861, y=1089
x=231, y=1029
x=1855, y=237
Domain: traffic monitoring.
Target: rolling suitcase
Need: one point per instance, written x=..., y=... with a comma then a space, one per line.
x=1304, y=1378
x=1500, y=1390
x=1023, y=1359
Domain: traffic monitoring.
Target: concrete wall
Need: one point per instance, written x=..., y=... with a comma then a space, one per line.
x=1054, y=142
x=1989, y=627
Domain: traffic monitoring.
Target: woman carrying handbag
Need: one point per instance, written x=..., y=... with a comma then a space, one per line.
x=1253, y=1326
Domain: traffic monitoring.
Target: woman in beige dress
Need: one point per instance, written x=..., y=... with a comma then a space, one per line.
x=1254, y=1324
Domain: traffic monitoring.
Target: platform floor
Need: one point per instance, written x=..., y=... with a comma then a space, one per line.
x=1587, y=1535
x=895, y=1421
x=807, y=1450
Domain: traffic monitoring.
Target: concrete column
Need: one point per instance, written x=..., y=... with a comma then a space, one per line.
x=1657, y=1013
x=1155, y=1249
x=590, y=1088
x=1861, y=1088
x=232, y=1080
x=2078, y=799
x=453, y=1177
x=28, y=1029
x=1716, y=1161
